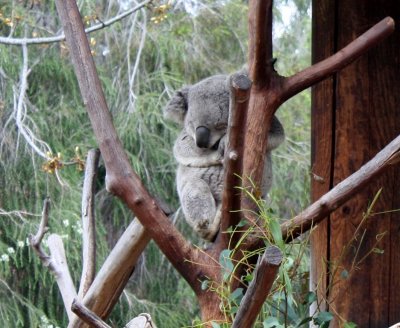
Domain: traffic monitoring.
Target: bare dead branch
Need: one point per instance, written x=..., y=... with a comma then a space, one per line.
x=36, y=240
x=43, y=226
x=240, y=91
x=59, y=267
x=311, y=216
x=20, y=109
x=115, y=272
x=120, y=179
x=88, y=223
x=58, y=38
x=87, y=316
x=56, y=261
x=315, y=73
x=264, y=277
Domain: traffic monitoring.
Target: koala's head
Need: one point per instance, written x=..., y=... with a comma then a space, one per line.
x=202, y=109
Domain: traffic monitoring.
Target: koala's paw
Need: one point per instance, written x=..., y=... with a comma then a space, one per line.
x=213, y=226
x=199, y=208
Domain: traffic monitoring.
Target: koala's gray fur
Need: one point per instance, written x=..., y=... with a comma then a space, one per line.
x=203, y=110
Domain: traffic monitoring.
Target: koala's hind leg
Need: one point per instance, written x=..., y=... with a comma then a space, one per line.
x=199, y=208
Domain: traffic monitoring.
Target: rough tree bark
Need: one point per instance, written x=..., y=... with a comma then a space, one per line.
x=353, y=114
x=269, y=90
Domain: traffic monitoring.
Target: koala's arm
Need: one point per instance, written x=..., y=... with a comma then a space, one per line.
x=199, y=206
x=276, y=134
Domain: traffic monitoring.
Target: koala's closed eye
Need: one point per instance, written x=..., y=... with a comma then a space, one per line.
x=221, y=126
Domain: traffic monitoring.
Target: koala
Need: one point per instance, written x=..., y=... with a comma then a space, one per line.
x=202, y=110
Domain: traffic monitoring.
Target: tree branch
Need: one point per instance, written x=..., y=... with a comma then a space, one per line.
x=264, y=277
x=265, y=101
x=87, y=316
x=36, y=240
x=120, y=178
x=260, y=41
x=310, y=217
x=115, y=272
x=58, y=38
x=56, y=261
x=59, y=266
x=88, y=223
x=233, y=161
x=20, y=110
x=315, y=73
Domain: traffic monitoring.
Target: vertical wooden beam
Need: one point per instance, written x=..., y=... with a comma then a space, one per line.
x=362, y=107
x=322, y=127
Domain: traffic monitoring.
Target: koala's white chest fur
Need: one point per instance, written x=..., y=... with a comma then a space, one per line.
x=188, y=154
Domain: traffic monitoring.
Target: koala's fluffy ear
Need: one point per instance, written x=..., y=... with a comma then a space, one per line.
x=176, y=108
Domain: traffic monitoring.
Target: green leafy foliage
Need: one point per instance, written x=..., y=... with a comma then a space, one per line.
x=323, y=318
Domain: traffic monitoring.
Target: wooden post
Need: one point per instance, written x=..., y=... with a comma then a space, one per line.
x=354, y=114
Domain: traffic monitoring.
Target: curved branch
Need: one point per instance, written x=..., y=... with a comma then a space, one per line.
x=58, y=38
x=20, y=109
x=315, y=73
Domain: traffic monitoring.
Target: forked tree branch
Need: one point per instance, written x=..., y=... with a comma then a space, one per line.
x=36, y=240
x=316, y=73
x=111, y=279
x=88, y=223
x=56, y=261
x=264, y=102
x=268, y=95
x=120, y=178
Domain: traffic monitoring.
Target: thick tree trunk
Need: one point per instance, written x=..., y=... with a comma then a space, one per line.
x=354, y=115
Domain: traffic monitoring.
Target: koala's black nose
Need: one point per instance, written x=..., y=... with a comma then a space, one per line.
x=202, y=137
